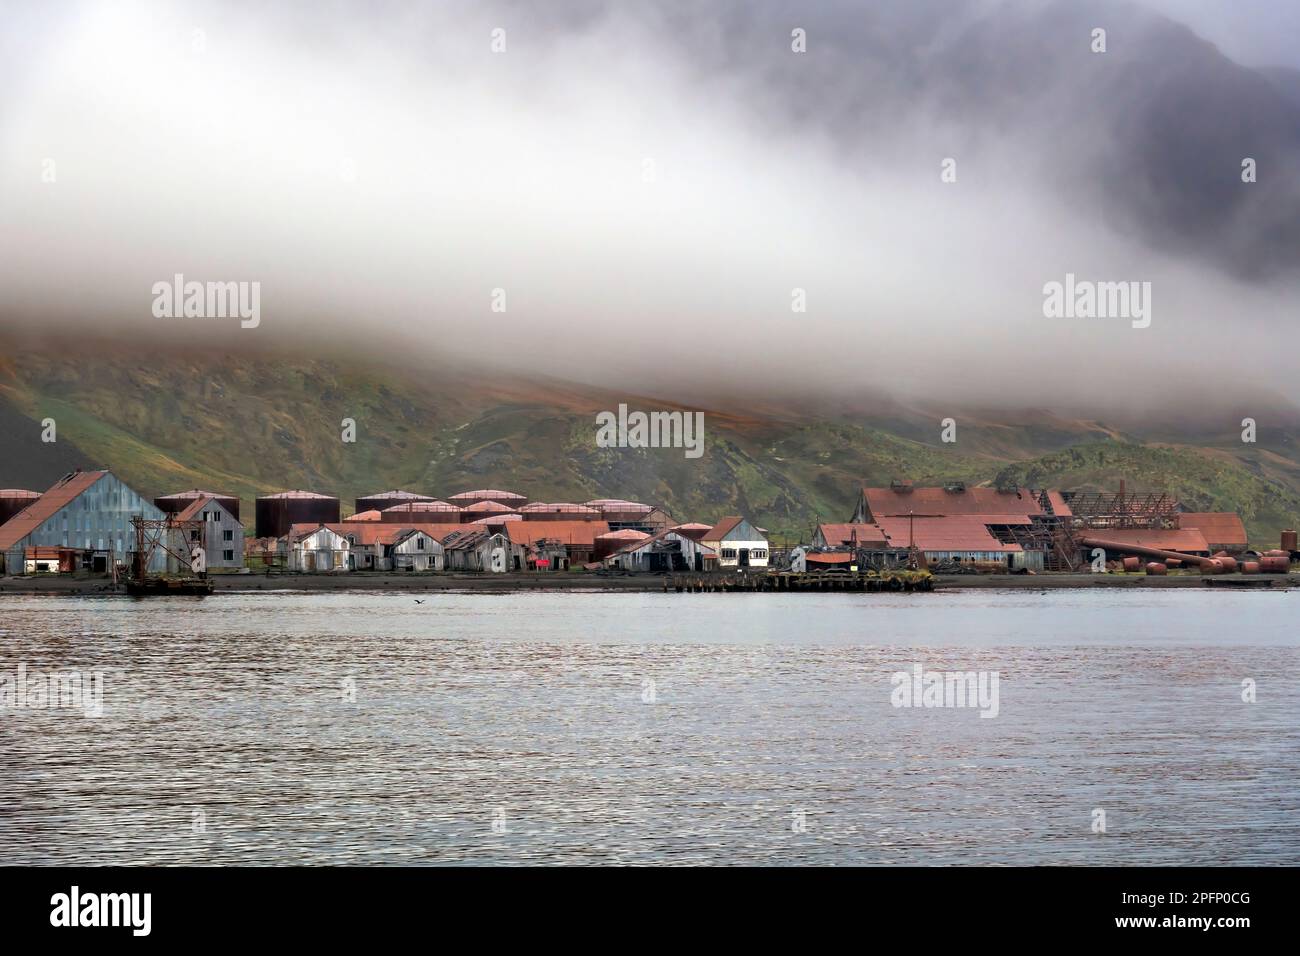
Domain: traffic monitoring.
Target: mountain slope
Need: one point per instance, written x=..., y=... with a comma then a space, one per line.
x=256, y=424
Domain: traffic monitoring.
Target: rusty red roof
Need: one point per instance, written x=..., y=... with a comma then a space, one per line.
x=704, y=549
x=627, y=534
x=197, y=505
x=497, y=519
x=947, y=533
x=867, y=535
x=569, y=532
x=883, y=502
x=1059, y=507
x=367, y=534
x=441, y=532
x=1218, y=527
x=38, y=512
x=723, y=526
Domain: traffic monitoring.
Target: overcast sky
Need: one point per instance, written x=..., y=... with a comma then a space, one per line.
x=650, y=184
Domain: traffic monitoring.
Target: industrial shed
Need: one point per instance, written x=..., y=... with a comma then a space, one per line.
x=1222, y=530
x=88, y=511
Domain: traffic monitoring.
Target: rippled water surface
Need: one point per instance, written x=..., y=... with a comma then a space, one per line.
x=654, y=728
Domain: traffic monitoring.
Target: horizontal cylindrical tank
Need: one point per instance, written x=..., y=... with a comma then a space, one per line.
x=14, y=500
x=277, y=513
x=1288, y=540
x=1155, y=567
x=387, y=499
x=1229, y=564
x=1273, y=564
x=174, y=504
x=1132, y=564
x=1250, y=567
x=1207, y=564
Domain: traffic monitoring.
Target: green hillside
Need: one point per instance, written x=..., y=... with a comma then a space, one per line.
x=252, y=425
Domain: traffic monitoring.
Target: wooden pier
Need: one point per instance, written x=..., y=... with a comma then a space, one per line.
x=699, y=583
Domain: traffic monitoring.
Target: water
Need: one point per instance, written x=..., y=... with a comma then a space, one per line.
x=654, y=728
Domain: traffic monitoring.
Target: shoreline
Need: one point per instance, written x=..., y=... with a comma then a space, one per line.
x=514, y=583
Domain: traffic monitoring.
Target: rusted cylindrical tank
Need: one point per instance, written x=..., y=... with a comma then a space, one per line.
x=1132, y=564
x=485, y=509
x=1277, y=553
x=1155, y=567
x=174, y=504
x=422, y=512
x=1229, y=563
x=388, y=499
x=14, y=500
x=1091, y=541
x=1173, y=563
x=1273, y=564
x=1288, y=539
x=277, y=513
x=515, y=501
x=1250, y=567
x=559, y=511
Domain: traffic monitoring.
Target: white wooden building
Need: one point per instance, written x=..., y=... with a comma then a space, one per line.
x=739, y=543
x=316, y=548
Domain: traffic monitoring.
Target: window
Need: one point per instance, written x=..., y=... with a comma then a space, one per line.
x=194, y=535
x=228, y=555
x=228, y=535
x=728, y=552
x=419, y=543
x=758, y=553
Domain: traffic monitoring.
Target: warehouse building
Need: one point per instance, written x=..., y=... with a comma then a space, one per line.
x=89, y=512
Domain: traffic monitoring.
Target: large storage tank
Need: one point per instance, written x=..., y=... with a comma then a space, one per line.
x=486, y=509
x=174, y=504
x=388, y=499
x=1288, y=539
x=422, y=512
x=277, y=513
x=619, y=512
x=14, y=500
x=489, y=494
x=559, y=511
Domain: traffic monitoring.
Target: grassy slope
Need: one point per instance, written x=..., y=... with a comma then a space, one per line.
x=252, y=426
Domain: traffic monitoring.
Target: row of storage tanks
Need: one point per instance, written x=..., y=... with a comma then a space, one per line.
x=276, y=513
x=1276, y=561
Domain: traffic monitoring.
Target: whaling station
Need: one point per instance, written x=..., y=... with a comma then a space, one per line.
x=898, y=537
